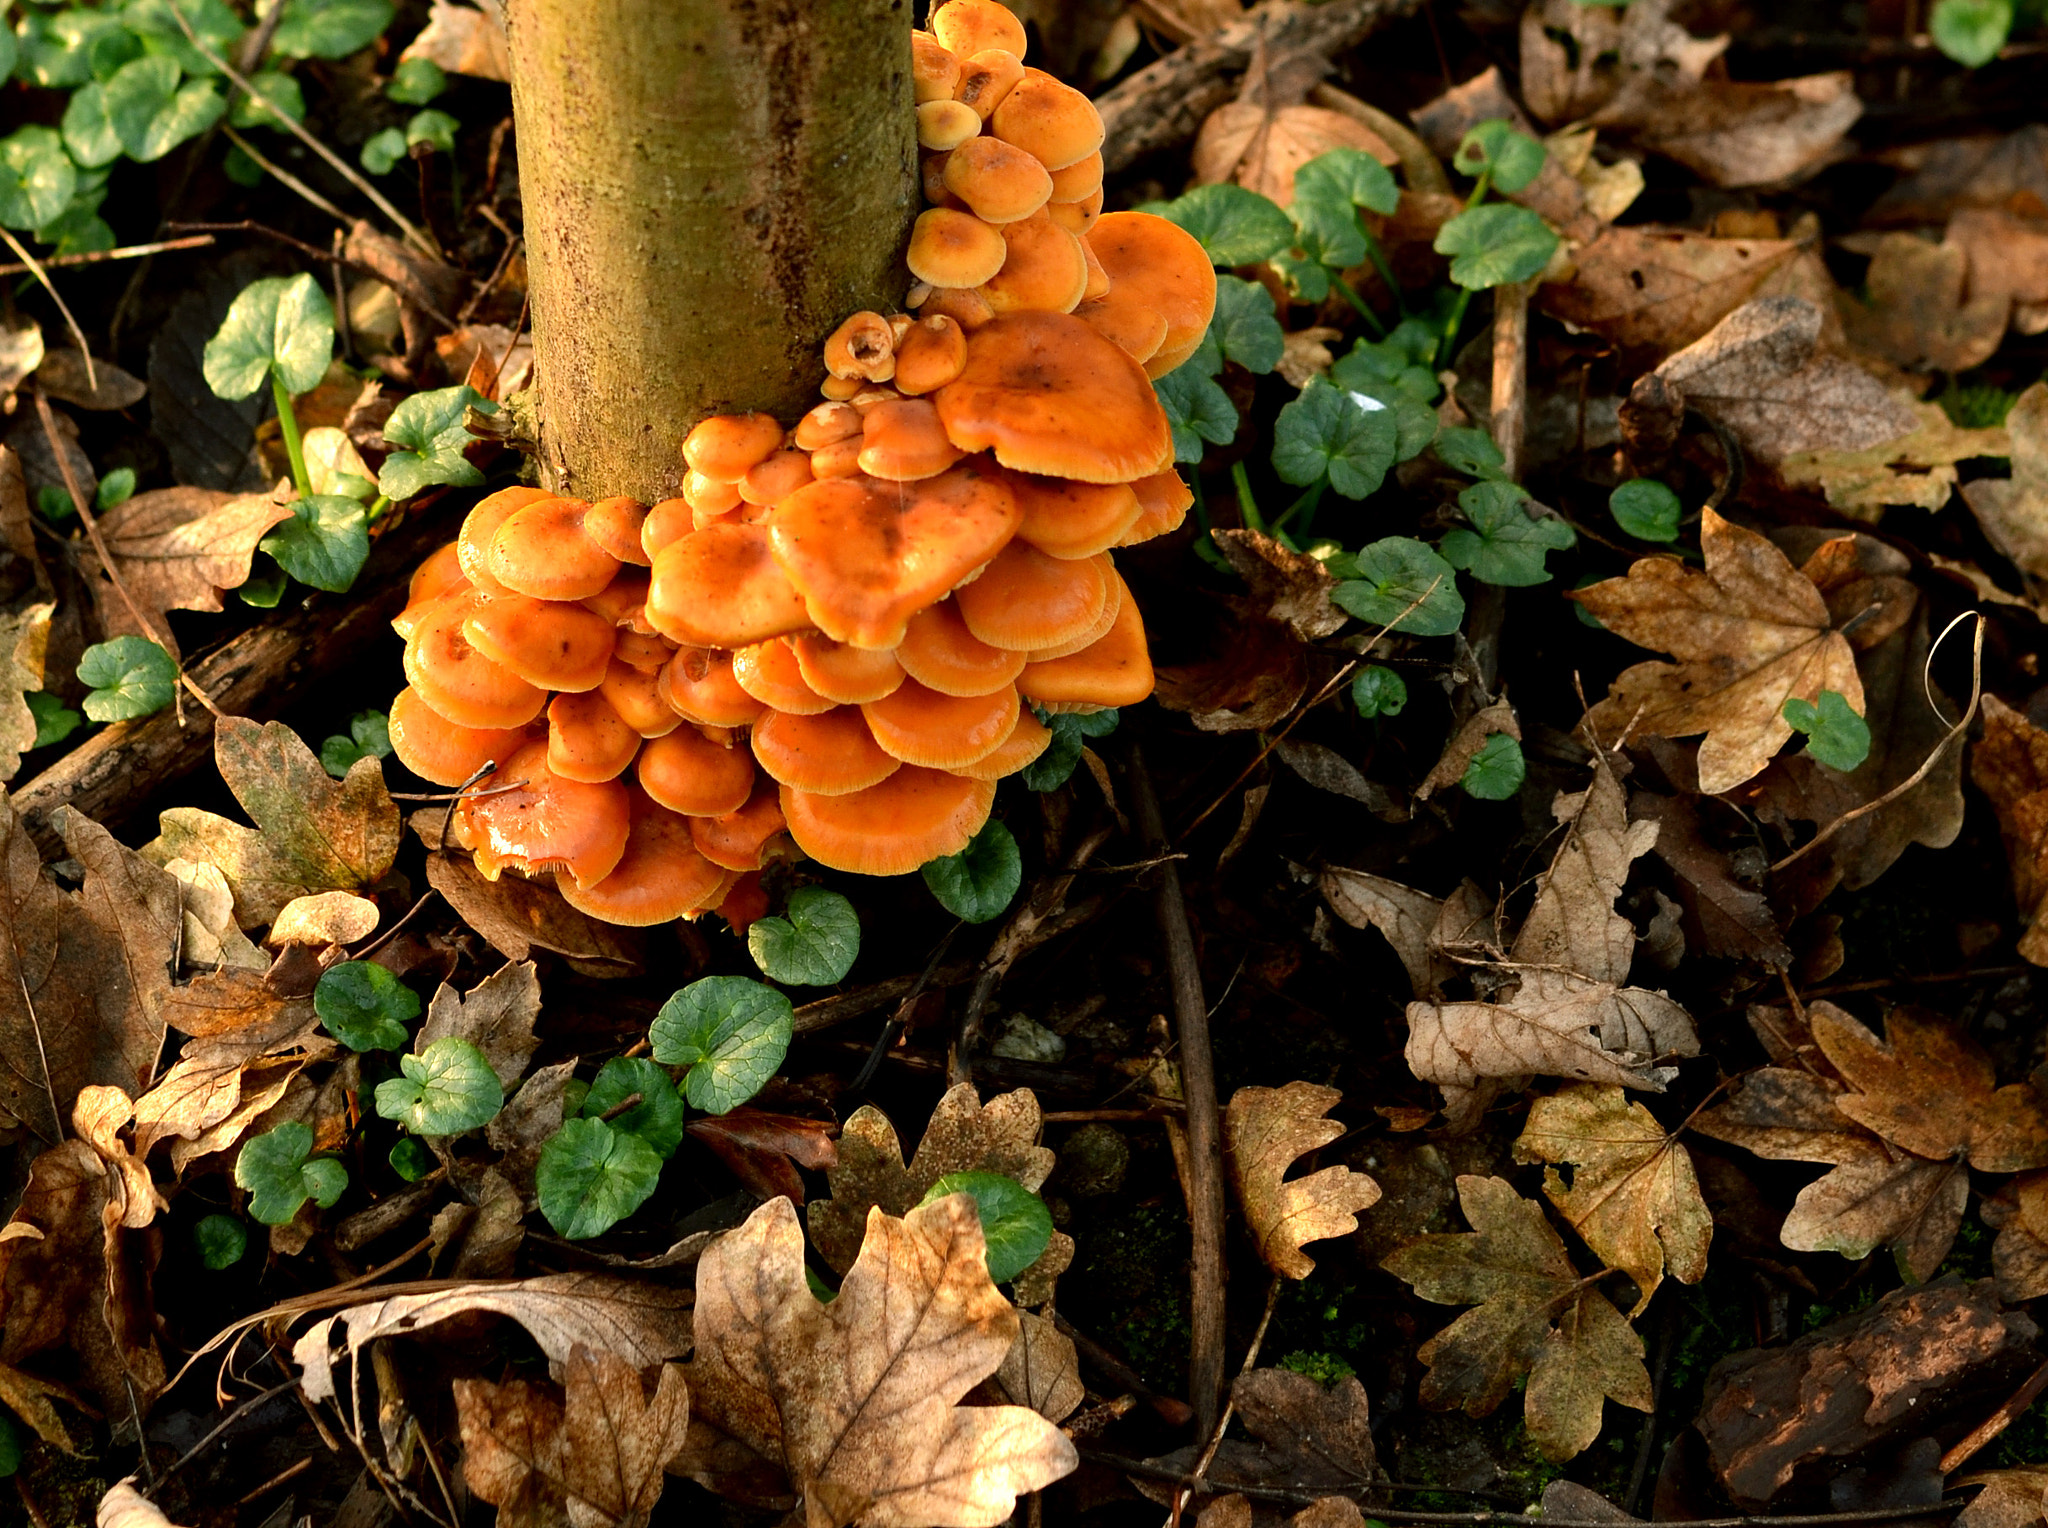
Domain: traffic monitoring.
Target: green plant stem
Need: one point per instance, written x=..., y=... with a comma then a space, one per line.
x=1380, y=263
x=1306, y=505
x=1447, y=347
x=1247, y=506
x=1205, y=544
x=294, y=445
x=1358, y=303
x=377, y=507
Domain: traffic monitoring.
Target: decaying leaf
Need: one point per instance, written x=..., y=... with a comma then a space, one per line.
x=1535, y=1316
x=1042, y=1370
x=2010, y=1499
x=1737, y=133
x=857, y=1400
x=2007, y=258
x=1291, y=587
x=1496, y=719
x=2010, y=765
x=324, y=918
x=178, y=549
x=1917, y=315
x=463, y=40
x=99, y=1115
x=1917, y=469
x=2014, y=510
x=1725, y=918
x=1632, y=1195
x=1411, y=920
x=1265, y=1131
x=125, y=1507
x=1305, y=1436
x=2018, y=1212
x=496, y=1016
x=1660, y=287
x=212, y=938
x=519, y=916
x=1260, y=148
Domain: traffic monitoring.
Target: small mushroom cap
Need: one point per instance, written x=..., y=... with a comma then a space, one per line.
x=1019, y=750
x=965, y=306
x=934, y=70
x=615, y=524
x=843, y=673
x=830, y=753
x=954, y=249
x=460, y=683
x=827, y=424
x=838, y=460
x=740, y=840
x=920, y=726
x=743, y=903
x=777, y=478
x=1096, y=632
x=1077, y=217
x=769, y=672
x=1048, y=394
x=930, y=354
x=705, y=497
x=480, y=526
x=1163, y=499
x=661, y=876
x=1133, y=326
x=940, y=653
x=1072, y=520
x=548, y=643
x=1052, y=122
x=943, y=126
x=719, y=587
x=1098, y=278
x=587, y=739
x=911, y=818
x=635, y=694
x=868, y=556
x=863, y=346
x=839, y=389
x=999, y=182
x=1160, y=264
x=698, y=685
x=1078, y=181
x=965, y=27
x=623, y=601
x=725, y=446
x=688, y=772
x=670, y=520
x=1046, y=269
x=1115, y=670
x=439, y=573
x=544, y=822
x=645, y=651
x=1025, y=600
x=437, y=750
x=542, y=551
x=902, y=441
x=986, y=78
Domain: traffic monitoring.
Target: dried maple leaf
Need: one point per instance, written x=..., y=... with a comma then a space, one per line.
x=179, y=549
x=1737, y=133
x=1413, y=922
x=858, y=1400
x=313, y=833
x=1750, y=632
x=2014, y=511
x=1535, y=1316
x=596, y=1455
x=1917, y=316
x=2018, y=1212
x=1305, y=1436
x=1660, y=287
x=496, y=1016
x=1632, y=1194
x=1265, y=1131
x=1042, y=1370
x=1725, y=919
x=1261, y=148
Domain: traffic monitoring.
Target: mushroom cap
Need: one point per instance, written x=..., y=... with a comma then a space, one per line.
x=660, y=876
x=542, y=551
x=623, y=601
x=720, y=587
x=1071, y=520
x=1052, y=122
x=838, y=460
x=911, y=818
x=1114, y=670
x=903, y=441
x=769, y=672
x=920, y=726
x=440, y=572
x=743, y=903
x=943, y=126
x=689, y=773
x=698, y=685
x=480, y=526
x=772, y=481
x=930, y=354
x=1048, y=394
x=1135, y=328
x=964, y=305
x=934, y=70
x=588, y=740
x=828, y=424
x=437, y=750
x=549, y=643
x=635, y=694
x=1156, y=262
x=740, y=839
x=954, y=249
x=844, y=673
x=986, y=78
x=670, y=520
x=1077, y=217
x=544, y=822
x=642, y=650
x=705, y=497
x=615, y=524
x=1019, y=750
x=868, y=556
x=999, y=182
x=940, y=653
x=1096, y=632
x=1163, y=500
x=1098, y=279
x=965, y=27
x=459, y=683
x=839, y=389
x=1078, y=181
x=726, y=446
x=1045, y=271
x=862, y=346
x=828, y=754
x=1025, y=600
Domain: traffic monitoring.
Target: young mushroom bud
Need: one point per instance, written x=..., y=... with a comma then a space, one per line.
x=987, y=80
x=966, y=27
x=687, y=772
x=825, y=424
x=903, y=442
x=864, y=347
x=839, y=389
x=999, y=183
x=944, y=125
x=934, y=70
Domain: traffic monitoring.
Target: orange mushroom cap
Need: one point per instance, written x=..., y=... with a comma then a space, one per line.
x=954, y=249
x=743, y=903
x=1128, y=323
x=688, y=772
x=1077, y=217
x=838, y=460
x=775, y=479
x=548, y=643
x=930, y=354
x=1115, y=670
x=911, y=818
x=769, y=672
x=965, y=306
x=903, y=441
x=587, y=739
x=615, y=524
x=542, y=551
x=670, y=520
x=986, y=78
x=863, y=346
x=660, y=876
x=480, y=525
x=934, y=70
x=698, y=685
x=830, y=753
x=705, y=497
x=635, y=694
x=868, y=555
x=1071, y=520
x=1160, y=264
x=920, y=726
x=1019, y=750
x=999, y=182
x=725, y=446
x=544, y=822
x=943, y=126
x=1048, y=394
x=1049, y=120
x=1163, y=499
x=437, y=750
x=459, y=683
x=720, y=587
x=940, y=653
x=1025, y=600
x=1098, y=279
x=965, y=27
x=741, y=839
x=623, y=601
x=1078, y=181
x=1112, y=606
x=1045, y=271
x=439, y=573
x=827, y=424
x=844, y=673
x=645, y=651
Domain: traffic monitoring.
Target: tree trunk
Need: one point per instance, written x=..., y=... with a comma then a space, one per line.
x=709, y=187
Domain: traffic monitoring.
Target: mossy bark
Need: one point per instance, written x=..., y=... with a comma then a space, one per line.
x=709, y=187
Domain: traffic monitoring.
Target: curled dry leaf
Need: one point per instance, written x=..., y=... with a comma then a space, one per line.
x=2018, y=1212
x=126, y=1507
x=1412, y=921
x=1660, y=287
x=518, y=916
x=1738, y=133
x=1265, y=1131
x=325, y=917
x=178, y=549
x=496, y=1016
x=2014, y=510
x=24, y=641
x=1451, y=764
x=1290, y=587
x=1042, y=1370
x=858, y=1400
x=212, y=938
x=1917, y=316
x=1261, y=148
x=464, y=40
x=1725, y=919
x=99, y=1116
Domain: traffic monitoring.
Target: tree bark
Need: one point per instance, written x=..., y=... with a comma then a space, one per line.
x=709, y=188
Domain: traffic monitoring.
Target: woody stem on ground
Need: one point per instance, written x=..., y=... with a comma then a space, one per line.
x=294, y=443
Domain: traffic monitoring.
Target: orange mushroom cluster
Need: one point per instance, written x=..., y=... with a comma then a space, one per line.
x=842, y=633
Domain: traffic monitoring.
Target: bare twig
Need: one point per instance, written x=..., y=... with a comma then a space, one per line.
x=1174, y=1413
x=29, y=1503
x=1251, y=1357
x=1510, y=396
x=291, y=182
x=1997, y=1422
x=101, y=256
x=30, y=263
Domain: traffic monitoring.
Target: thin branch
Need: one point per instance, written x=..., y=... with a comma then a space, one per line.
x=31, y=263
x=100, y=256
x=1996, y=1423
x=1251, y=1357
x=291, y=181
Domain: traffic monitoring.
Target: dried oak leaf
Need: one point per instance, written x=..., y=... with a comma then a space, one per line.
x=2014, y=510
x=2010, y=1498
x=1632, y=1196
x=1305, y=1436
x=594, y=1456
x=1535, y=1316
x=1660, y=287
x=858, y=1400
x=178, y=549
x=1750, y=632
x=496, y=1016
x=313, y=833
x=1042, y=1370
x=1917, y=316
x=1737, y=133
x=464, y=40
x=1265, y=1131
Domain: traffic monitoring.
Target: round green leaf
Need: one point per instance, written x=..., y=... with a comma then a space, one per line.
x=274, y=1168
x=1493, y=244
x=382, y=151
x=591, y=1177
x=55, y=721
x=1070, y=734
x=446, y=1089
x=1379, y=692
x=1345, y=436
x=412, y=1158
x=1506, y=544
x=1235, y=226
x=281, y=323
x=329, y=28
x=1971, y=31
x=1387, y=364
x=221, y=1241
x=281, y=90
x=436, y=129
x=1514, y=157
x=427, y=429
x=979, y=881
x=1015, y=1224
x=369, y=738
x=1472, y=452
x=56, y=49
x=325, y=543
x=195, y=108
x=1835, y=734
x=731, y=1032
x=1196, y=410
x=657, y=1119
x=156, y=24
x=1646, y=509
x=1395, y=573
x=130, y=677
x=416, y=81
x=37, y=178
x=1496, y=770
x=814, y=946
x=1245, y=327
x=364, y=1006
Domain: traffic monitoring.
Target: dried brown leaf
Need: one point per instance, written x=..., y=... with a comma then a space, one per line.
x=496, y=1016
x=1456, y=758
x=2014, y=511
x=1260, y=148
x=326, y=917
x=464, y=41
x=1305, y=1436
x=125, y=1507
x=1251, y=680
x=1917, y=316
x=1917, y=469
x=2010, y=1499
x=63, y=376
x=1725, y=919
x=1571, y=58
x=2007, y=259
x=1409, y=919
x=1265, y=1131
x=1660, y=287
x=1737, y=133
x=178, y=549
x=99, y=1115
x=212, y=938
x=1042, y=1370
x=1289, y=587
x=518, y=916
x=2010, y=172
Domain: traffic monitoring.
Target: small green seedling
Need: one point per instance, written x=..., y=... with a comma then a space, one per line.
x=369, y=737
x=280, y=1173
x=221, y=1241
x=130, y=677
x=982, y=879
x=657, y=1118
x=1399, y=582
x=730, y=1032
x=1379, y=692
x=592, y=1176
x=1497, y=769
x=1647, y=510
x=447, y=1089
x=1835, y=735
x=1070, y=734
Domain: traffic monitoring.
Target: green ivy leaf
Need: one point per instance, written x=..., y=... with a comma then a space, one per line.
x=281, y=90
x=1835, y=734
x=1327, y=431
x=979, y=882
x=1646, y=509
x=447, y=1089
x=590, y=1177
x=275, y=1169
x=1196, y=408
x=1415, y=424
x=1307, y=278
x=427, y=430
x=1514, y=157
x=1070, y=734
x=436, y=129
x=1496, y=770
x=55, y=721
x=214, y=21
x=55, y=49
x=221, y=1241
x=1390, y=364
x=1393, y=574
x=1015, y=1224
x=1506, y=544
x=1971, y=31
x=1494, y=244
x=364, y=1006
x=115, y=489
x=325, y=543
x=105, y=118
x=731, y=1032
x=381, y=151
x=37, y=178
x=814, y=946
x=130, y=677
x=329, y=28
x=1472, y=452
x=657, y=1119
x=1328, y=191
x=281, y=324
x=1235, y=226
x=1245, y=327
x=416, y=81
x=1379, y=692
x=369, y=737
x=412, y=1158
